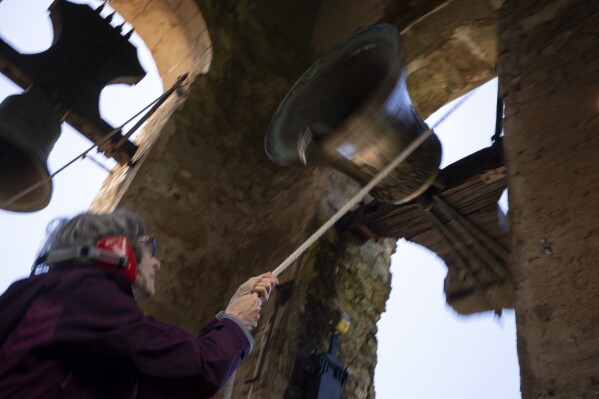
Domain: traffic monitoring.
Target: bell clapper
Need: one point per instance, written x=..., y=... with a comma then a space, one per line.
x=303, y=141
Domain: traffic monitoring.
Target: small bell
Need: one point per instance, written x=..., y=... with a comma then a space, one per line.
x=29, y=128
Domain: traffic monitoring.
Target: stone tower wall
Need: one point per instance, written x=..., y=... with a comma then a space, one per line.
x=549, y=74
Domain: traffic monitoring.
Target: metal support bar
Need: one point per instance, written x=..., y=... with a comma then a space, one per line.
x=446, y=235
x=115, y=147
x=473, y=230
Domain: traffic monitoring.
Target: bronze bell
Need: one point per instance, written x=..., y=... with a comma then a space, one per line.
x=352, y=111
x=29, y=128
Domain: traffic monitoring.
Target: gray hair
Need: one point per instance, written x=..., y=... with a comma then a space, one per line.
x=86, y=229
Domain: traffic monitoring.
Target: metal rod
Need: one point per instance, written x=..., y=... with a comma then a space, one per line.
x=103, y=140
x=498, y=117
x=473, y=229
x=442, y=230
x=477, y=249
x=148, y=114
x=455, y=239
x=100, y=164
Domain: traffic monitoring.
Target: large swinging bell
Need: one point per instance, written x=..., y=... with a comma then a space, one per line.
x=29, y=128
x=351, y=111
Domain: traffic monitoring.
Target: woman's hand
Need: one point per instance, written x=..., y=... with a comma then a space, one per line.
x=249, y=297
x=261, y=285
x=246, y=308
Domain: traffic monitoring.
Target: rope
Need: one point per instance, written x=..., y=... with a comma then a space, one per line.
x=366, y=189
x=227, y=390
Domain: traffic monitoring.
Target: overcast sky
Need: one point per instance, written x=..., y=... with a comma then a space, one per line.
x=425, y=349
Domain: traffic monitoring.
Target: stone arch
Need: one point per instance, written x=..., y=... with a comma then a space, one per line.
x=174, y=31
x=176, y=34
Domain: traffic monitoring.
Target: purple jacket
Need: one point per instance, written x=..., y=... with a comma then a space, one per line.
x=78, y=333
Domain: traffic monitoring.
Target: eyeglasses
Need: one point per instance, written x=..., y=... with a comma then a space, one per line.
x=149, y=242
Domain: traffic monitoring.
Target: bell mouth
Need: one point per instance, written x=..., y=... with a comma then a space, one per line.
x=20, y=170
x=338, y=84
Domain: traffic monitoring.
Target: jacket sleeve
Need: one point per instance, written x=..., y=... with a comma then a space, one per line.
x=100, y=318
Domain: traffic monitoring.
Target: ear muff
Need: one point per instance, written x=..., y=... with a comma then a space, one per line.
x=110, y=253
x=122, y=247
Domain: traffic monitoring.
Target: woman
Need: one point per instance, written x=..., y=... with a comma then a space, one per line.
x=73, y=328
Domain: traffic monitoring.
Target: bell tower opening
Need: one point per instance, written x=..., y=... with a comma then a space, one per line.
x=415, y=358
x=171, y=40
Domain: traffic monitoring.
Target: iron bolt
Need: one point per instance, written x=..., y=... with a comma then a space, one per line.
x=547, y=247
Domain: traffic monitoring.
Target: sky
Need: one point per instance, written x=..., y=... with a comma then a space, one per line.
x=24, y=24
x=426, y=350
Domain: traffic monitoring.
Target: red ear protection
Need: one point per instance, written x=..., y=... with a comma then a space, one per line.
x=120, y=246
